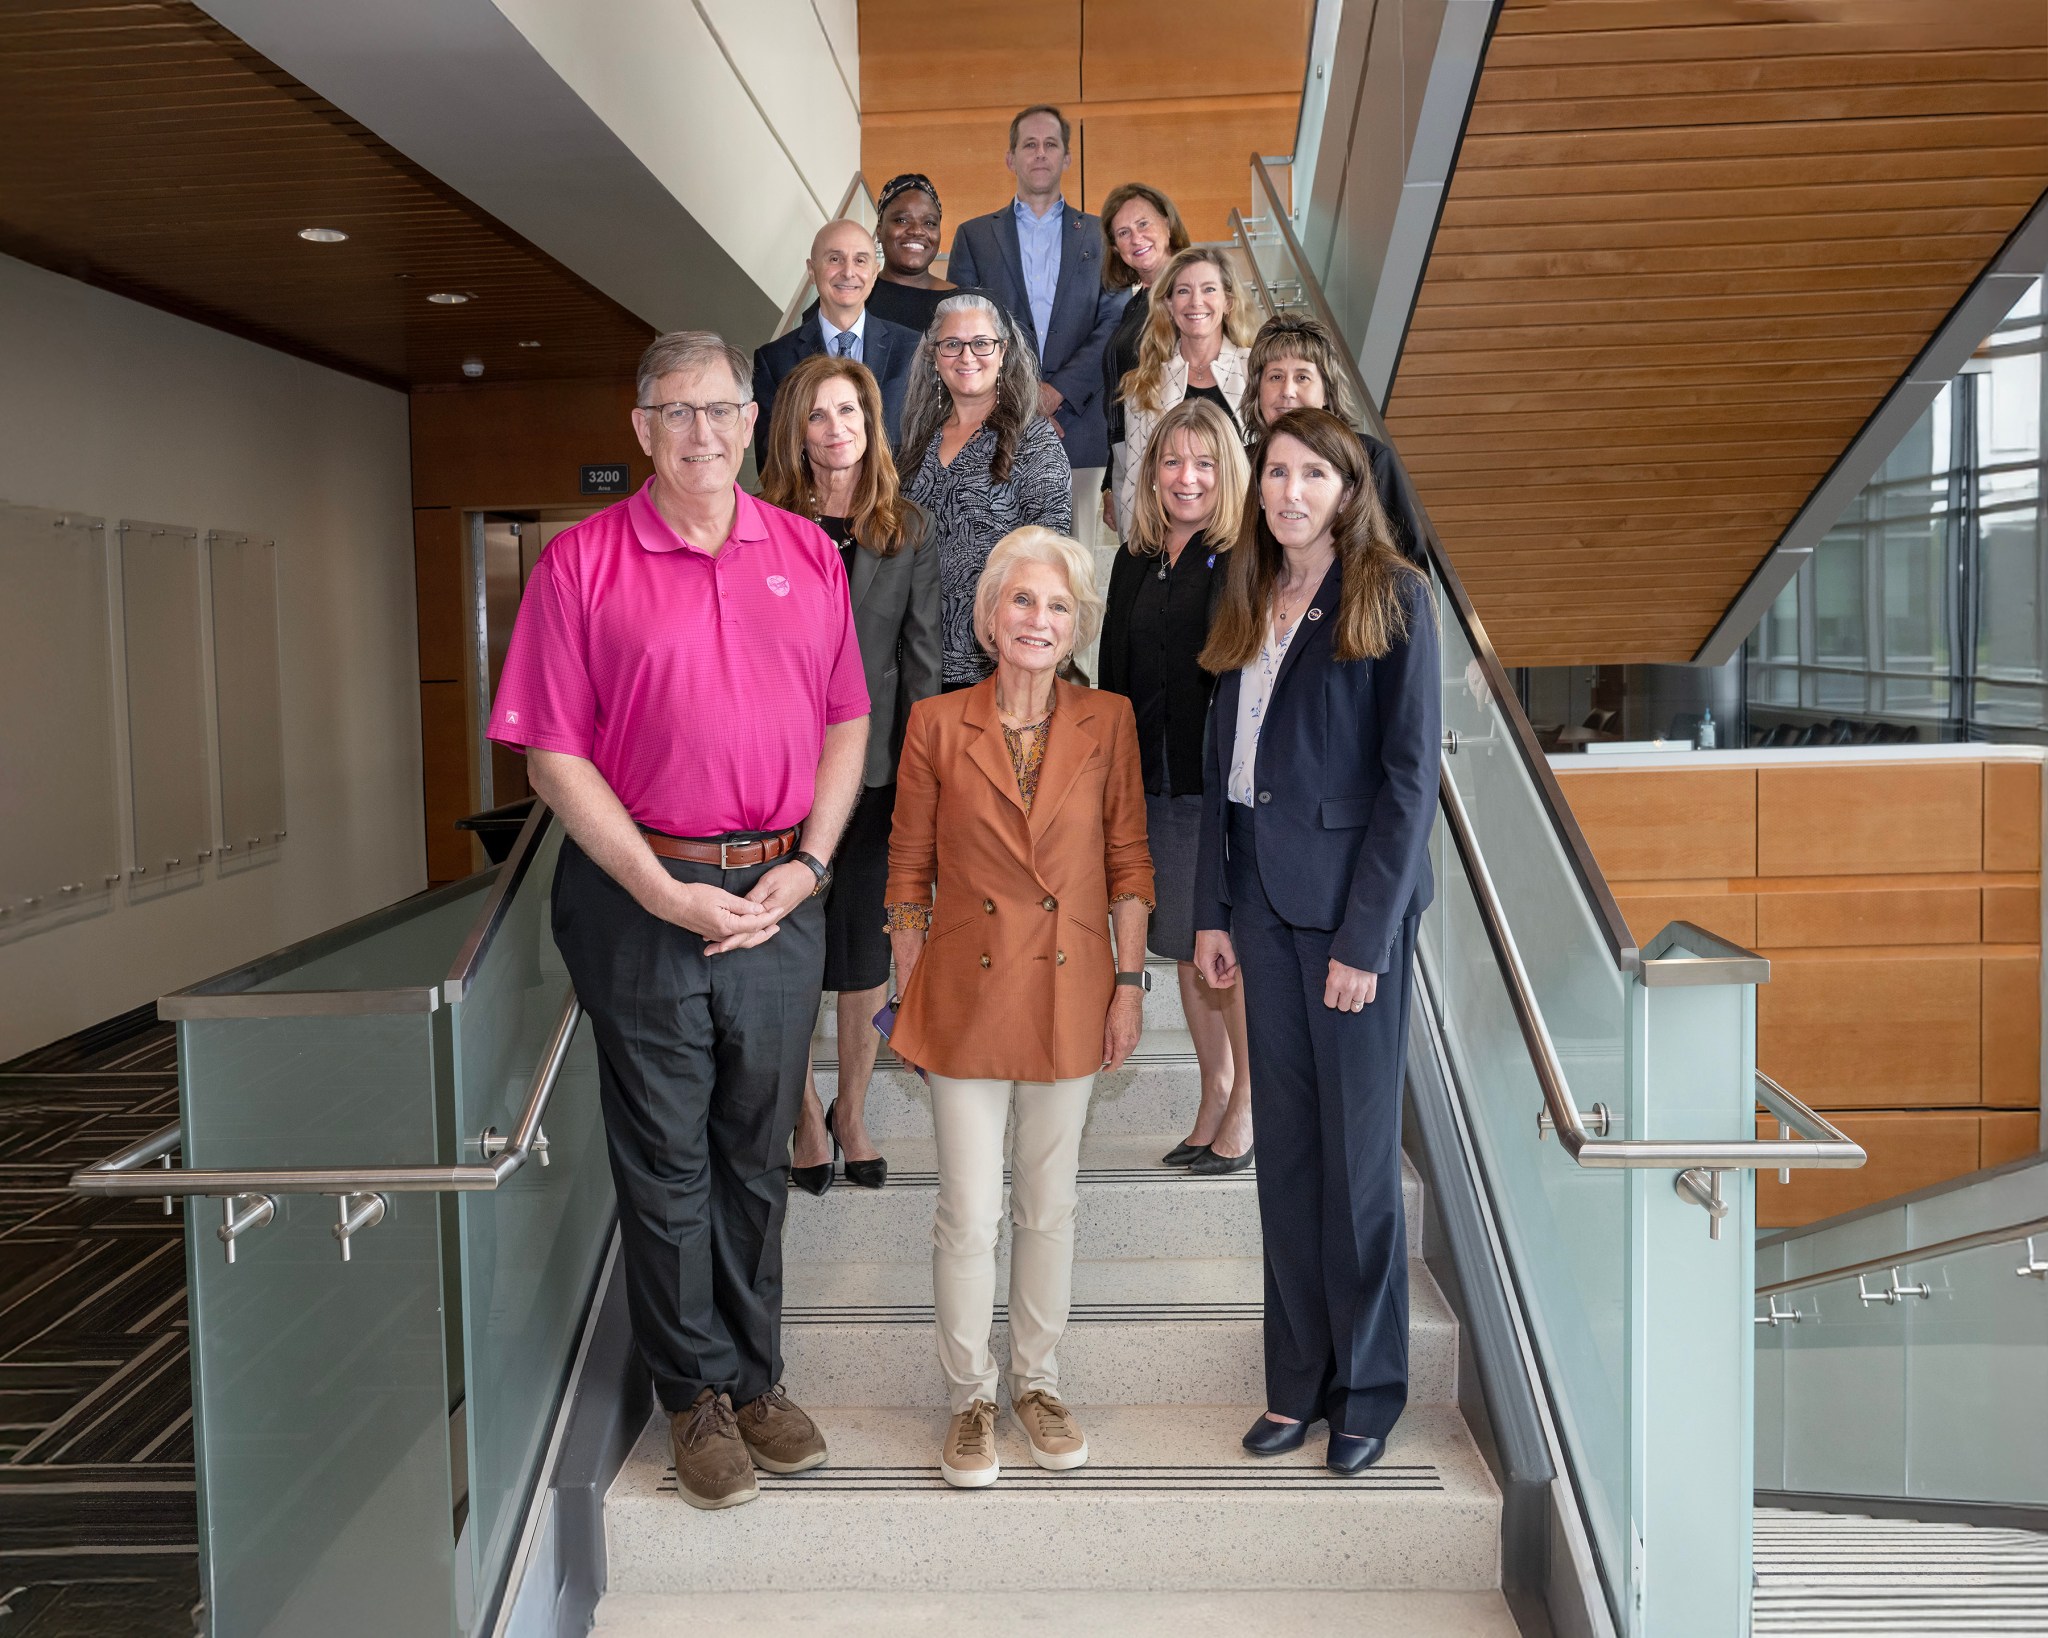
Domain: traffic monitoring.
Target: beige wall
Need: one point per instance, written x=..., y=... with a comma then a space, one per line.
x=118, y=410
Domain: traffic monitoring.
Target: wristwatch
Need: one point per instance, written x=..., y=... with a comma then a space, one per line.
x=818, y=868
x=1142, y=978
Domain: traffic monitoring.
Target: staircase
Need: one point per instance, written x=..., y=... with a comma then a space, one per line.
x=1162, y=1360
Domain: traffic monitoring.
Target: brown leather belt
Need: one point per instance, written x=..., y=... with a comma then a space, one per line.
x=726, y=855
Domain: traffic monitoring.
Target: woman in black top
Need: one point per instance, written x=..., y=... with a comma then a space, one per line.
x=1141, y=233
x=907, y=223
x=828, y=460
x=1163, y=590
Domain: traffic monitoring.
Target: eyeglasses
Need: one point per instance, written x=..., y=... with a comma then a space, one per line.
x=679, y=416
x=953, y=346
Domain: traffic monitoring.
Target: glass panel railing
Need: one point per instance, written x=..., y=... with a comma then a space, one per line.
x=399, y=1200
x=531, y=1248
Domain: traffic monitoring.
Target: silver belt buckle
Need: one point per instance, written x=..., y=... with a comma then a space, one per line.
x=722, y=862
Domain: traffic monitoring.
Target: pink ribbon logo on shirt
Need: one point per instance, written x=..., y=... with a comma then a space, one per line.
x=778, y=585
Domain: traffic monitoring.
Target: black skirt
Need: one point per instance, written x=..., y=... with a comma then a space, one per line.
x=856, y=946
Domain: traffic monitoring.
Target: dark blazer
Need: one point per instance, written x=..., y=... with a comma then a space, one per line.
x=1188, y=692
x=1119, y=358
x=896, y=620
x=985, y=254
x=1345, y=782
x=1397, y=499
x=1017, y=974
x=888, y=349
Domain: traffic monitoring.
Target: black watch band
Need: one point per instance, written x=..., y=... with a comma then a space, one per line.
x=818, y=868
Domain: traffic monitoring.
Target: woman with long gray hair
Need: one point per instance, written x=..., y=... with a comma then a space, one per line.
x=978, y=458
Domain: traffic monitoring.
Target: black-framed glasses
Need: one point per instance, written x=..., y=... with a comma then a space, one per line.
x=679, y=416
x=980, y=346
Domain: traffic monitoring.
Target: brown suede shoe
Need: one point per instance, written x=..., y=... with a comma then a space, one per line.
x=712, y=1469
x=779, y=1436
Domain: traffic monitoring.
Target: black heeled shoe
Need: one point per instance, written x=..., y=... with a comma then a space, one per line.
x=869, y=1174
x=1352, y=1453
x=1270, y=1438
x=817, y=1179
x=1184, y=1154
x=1211, y=1164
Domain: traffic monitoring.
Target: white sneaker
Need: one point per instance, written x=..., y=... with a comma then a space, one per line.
x=1056, y=1440
x=968, y=1457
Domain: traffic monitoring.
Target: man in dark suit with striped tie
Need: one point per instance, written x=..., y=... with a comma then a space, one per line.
x=844, y=266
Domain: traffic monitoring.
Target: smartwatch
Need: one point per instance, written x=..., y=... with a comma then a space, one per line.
x=1142, y=978
x=817, y=868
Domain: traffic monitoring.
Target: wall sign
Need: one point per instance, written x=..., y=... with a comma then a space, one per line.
x=615, y=478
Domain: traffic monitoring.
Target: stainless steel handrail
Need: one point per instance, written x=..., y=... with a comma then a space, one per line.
x=483, y=934
x=1825, y=1146
x=790, y=314
x=2011, y=1235
x=120, y=1175
x=1593, y=886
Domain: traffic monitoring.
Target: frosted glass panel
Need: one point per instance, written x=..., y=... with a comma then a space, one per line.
x=57, y=802
x=250, y=713
x=166, y=698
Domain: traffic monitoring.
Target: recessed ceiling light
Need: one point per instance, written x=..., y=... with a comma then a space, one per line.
x=529, y=344
x=448, y=298
x=322, y=236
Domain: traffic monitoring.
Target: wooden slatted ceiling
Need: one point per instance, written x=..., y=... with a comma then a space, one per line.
x=146, y=149
x=1688, y=248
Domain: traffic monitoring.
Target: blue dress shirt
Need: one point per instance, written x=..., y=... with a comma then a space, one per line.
x=832, y=333
x=1038, y=245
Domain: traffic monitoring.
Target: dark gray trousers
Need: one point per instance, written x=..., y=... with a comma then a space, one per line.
x=700, y=1070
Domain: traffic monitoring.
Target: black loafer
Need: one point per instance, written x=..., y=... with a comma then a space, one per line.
x=1211, y=1164
x=1353, y=1453
x=1184, y=1154
x=1270, y=1438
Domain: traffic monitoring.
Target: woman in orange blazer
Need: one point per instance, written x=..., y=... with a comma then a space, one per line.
x=1018, y=846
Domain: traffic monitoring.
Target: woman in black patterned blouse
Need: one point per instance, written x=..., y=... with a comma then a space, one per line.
x=979, y=459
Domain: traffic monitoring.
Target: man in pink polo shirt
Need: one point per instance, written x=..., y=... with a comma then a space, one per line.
x=686, y=683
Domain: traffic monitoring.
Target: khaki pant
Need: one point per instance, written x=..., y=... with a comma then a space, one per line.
x=968, y=1118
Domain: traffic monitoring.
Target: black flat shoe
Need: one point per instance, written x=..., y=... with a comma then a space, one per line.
x=1353, y=1453
x=869, y=1174
x=1214, y=1165
x=1270, y=1438
x=1184, y=1154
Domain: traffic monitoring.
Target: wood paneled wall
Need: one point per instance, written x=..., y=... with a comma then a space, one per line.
x=499, y=448
x=1900, y=906
x=1175, y=94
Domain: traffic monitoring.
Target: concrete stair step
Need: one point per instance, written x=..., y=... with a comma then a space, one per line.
x=1149, y=1331
x=1167, y=1495
x=1129, y=1206
x=1095, y=1614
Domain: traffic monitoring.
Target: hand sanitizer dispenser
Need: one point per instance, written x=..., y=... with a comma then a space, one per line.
x=1709, y=735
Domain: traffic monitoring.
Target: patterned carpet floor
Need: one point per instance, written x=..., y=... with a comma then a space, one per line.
x=98, y=1531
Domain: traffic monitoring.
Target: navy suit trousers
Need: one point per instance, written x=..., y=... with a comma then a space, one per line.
x=1326, y=1104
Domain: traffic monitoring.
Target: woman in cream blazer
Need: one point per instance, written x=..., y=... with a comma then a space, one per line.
x=1195, y=345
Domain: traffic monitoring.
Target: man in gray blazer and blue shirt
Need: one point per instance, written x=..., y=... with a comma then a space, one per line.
x=1042, y=259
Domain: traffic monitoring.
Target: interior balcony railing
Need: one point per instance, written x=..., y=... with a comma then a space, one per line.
x=1628, y=1241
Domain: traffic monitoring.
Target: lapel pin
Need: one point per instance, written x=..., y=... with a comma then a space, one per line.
x=1315, y=614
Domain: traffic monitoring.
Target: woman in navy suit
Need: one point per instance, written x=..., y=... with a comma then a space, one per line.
x=1313, y=871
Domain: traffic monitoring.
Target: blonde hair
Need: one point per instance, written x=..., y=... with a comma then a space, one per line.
x=1161, y=338
x=1035, y=545
x=1212, y=433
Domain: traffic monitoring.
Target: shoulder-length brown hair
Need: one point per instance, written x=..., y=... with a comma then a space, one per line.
x=1158, y=340
x=1118, y=274
x=1211, y=430
x=1289, y=337
x=1379, y=584
x=883, y=521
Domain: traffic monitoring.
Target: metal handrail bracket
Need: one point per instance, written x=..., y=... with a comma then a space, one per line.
x=120, y=1174
x=1599, y=897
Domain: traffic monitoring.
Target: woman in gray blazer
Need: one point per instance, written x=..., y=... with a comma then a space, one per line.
x=828, y=460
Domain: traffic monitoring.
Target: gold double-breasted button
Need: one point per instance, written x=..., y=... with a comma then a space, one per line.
x=1060, y=956
x=984, y=960
x=989, y=905
x=1049, y=902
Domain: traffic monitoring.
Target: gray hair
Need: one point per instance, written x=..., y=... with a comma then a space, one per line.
x=927, y=403
x=684, y=350
x=1032, y=544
